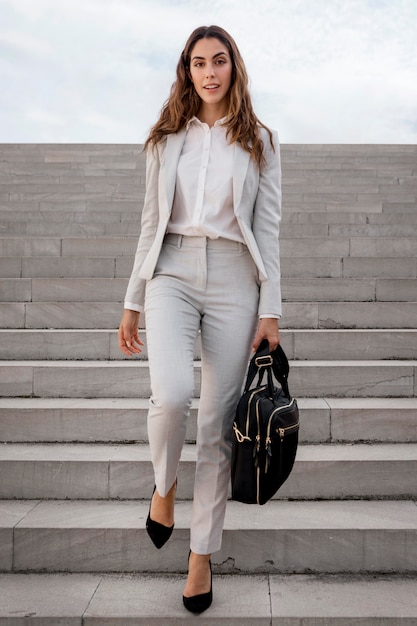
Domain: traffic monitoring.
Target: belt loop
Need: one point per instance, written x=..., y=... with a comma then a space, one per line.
x=179, y=241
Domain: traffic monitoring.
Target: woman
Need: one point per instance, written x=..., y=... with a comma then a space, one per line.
x=207, y=260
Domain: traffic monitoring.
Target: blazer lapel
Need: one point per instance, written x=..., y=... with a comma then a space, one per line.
x=240, y=166
x=174, y=146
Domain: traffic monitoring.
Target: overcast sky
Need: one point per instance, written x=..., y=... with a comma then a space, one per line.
x=322, y=71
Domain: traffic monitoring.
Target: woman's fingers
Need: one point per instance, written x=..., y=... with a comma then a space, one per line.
x=268, y=329
x=129, y=340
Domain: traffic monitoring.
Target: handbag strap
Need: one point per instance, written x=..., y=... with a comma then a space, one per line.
x=266, y=361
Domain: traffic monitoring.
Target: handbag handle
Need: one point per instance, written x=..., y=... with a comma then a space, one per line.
x=264, y=360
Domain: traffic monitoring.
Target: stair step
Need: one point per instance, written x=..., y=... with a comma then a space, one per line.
x=301, y=537
x=113, y=420
x=316, y=344
x=120, y=267
x=122, y=246
x=109, y=225
x=260, y=600
x=293, y=290
x=296, y=315
x=130, y=379
x=97, y=471
x=122, y=213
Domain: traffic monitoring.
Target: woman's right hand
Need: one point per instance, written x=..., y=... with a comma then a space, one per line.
x=129, y=341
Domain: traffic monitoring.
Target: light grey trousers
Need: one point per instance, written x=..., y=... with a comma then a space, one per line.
x=212, y=286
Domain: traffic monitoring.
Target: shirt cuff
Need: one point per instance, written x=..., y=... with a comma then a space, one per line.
x=133, y=307
x=272, y=316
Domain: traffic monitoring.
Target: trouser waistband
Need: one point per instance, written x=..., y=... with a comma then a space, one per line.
x=203, y=242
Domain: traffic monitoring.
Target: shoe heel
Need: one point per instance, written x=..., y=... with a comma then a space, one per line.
x=201, y=602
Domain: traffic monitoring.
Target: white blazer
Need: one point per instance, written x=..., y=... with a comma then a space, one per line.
x=256, y=203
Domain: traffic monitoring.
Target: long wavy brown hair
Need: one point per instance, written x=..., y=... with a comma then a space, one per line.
x=184, y=103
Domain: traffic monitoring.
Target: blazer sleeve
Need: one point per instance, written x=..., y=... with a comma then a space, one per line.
x=266, y=222
x=135, y=293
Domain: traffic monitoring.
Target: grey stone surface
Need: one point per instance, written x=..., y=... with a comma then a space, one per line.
x=123, y=600
x=75, y=315
x=300, y=231
x=354, y=267
x=353, y=345
x=74, y=419
x=15, y=379
x=121, y=419
x=316, y=538
x=78, y=289
x=12, y=315
x=328, y=289
x=335, y=471
x=350, y=536
x=237, y=600
x=353, y=378
x=14, y=228
x=124, y=266
x=10, y=267
x=99, y=246
x=124, y=471
x=33, y=246
x=93, y=344
x=304, y=267
x=54, y=344
x=15, y=289
x=44, y=599
x=69, y=267
x=72, y=229
x=344, y=601
x=107, y=379
x=11, y=513
x=366, y=315
x=89, y=379
x=315, y=247
x=396, y=289
x=384, y=246
x=371, y=230
x=300, y=315
x=30, y=479
x=408, y=217
x=373, y=419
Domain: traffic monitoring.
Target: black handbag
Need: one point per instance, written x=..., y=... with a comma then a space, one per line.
x=266, y=430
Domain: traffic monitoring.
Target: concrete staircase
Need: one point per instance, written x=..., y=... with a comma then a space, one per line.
x=338, y=545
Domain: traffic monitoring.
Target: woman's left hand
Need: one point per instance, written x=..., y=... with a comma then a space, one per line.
x=267, y=329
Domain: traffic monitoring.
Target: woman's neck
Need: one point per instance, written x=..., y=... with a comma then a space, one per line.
x=210, y=115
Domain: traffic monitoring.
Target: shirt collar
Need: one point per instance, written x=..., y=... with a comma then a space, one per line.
x=195, y=120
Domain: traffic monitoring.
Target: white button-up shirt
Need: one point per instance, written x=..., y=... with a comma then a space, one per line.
x=203, y=200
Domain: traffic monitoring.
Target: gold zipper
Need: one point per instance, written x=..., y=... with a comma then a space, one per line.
x=258, y=447
x=255, y=391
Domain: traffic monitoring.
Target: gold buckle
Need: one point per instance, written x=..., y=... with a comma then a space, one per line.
x=264, y=361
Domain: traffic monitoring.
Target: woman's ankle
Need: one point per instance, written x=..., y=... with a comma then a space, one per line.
x=162, y=507
x=199, y=574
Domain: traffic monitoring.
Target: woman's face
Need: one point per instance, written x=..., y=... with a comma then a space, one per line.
x=211, y=72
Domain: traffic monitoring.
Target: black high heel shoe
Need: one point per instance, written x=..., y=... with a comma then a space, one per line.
x=158, y=533
x=201, y=602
